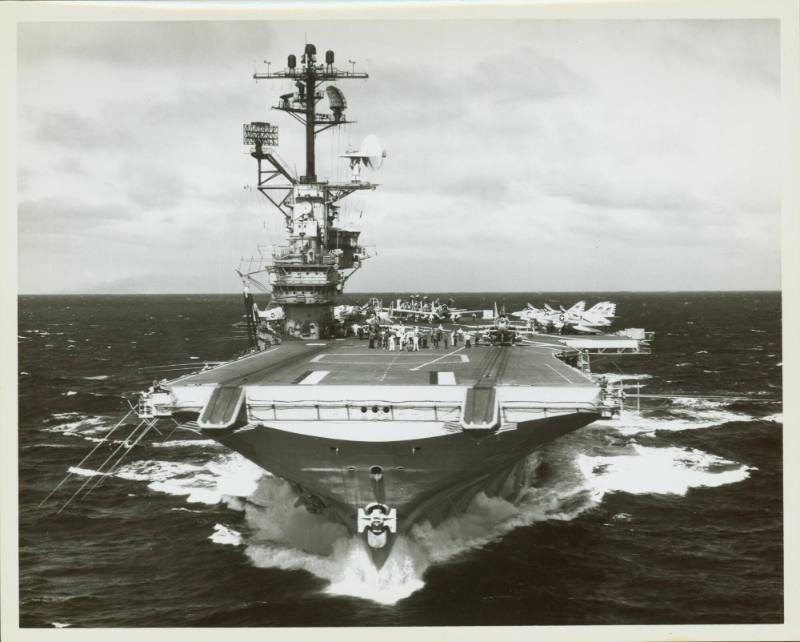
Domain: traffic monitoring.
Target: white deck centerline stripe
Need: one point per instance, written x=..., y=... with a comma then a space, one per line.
x=389, y=367
x=317, y=358
x=314, y=377
x=559, y=373
x=449, y=354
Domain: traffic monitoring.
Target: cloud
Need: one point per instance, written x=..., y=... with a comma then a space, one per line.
x=75, y=132
x=140, y=44
x=153, y=185
x=70, y=165
x=630, y=148
x=52, y=216
x=609, y=191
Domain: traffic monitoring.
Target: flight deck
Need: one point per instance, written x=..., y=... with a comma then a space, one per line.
x=351, y=362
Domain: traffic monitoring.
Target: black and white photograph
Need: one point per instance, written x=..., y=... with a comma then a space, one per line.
x=375, y=319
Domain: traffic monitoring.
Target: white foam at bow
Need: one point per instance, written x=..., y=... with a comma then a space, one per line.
x=229, y=475
x=288, y=537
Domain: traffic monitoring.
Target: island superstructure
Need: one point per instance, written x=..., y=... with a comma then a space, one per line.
x=378, y=439
x=306, y=274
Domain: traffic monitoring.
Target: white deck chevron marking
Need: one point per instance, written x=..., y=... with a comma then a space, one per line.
x=428, y=363
x=314, y=377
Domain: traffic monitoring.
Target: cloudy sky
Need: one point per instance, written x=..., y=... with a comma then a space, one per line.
x=522, y=155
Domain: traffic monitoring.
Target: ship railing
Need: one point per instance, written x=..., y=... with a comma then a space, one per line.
x=295, y=260
x=284, y=251
x=377, y=410
x=367, y=410
x=300, y=298
x=302, y=279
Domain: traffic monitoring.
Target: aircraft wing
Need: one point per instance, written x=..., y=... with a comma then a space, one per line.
x=585, y=328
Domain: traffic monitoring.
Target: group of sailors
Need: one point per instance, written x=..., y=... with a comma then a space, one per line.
x=424, y=306
x=400, y=337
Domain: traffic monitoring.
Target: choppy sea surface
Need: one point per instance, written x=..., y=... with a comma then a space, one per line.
x=671, y=513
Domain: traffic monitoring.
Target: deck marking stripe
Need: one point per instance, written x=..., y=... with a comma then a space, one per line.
x=377, y=362
x=377, y=353
x=313, y=377
x=317, y=358
x=560, y=374
x=449, y=354
x=447, y=378
x=224, y=364
x=267, y=369
x=389, y=367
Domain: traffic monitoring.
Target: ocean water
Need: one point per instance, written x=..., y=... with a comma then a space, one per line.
x=671, y=513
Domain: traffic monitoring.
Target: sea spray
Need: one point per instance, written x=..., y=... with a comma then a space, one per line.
x=274, y=517
x=670, y=470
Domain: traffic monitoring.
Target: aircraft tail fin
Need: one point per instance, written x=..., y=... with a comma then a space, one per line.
x=604, y=309
x=578, y=308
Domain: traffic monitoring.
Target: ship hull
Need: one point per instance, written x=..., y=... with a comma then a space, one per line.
x=425, y=480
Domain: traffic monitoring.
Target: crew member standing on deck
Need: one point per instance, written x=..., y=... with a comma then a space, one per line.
x=415, y=339
x=391, y=342
x=445, y=336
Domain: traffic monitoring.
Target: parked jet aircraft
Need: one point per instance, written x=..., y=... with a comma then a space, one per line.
x=574, y=318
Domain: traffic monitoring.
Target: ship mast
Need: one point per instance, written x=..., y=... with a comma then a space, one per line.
x=306, y=275
x=303, y=105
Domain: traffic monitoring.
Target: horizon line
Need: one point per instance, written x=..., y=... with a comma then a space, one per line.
x=415, y=292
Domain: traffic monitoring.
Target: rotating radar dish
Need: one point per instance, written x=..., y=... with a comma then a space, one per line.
x=337, y=102
x=373, y=151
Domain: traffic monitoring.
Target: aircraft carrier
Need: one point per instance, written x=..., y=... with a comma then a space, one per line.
x=378, y=439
